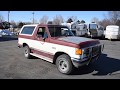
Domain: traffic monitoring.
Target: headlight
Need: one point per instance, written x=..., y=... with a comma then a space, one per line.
x=86, y=52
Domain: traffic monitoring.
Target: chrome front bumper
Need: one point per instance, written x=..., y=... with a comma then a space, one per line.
x=81, y=62
x=85, y=61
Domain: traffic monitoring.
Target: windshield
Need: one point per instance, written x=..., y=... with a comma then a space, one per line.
x=57, y=31
x=93, y=26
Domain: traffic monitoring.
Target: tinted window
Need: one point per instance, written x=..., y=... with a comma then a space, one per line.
x=28, y=30
x=60, y=31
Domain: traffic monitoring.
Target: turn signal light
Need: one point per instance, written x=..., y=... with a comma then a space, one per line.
x=78, y=51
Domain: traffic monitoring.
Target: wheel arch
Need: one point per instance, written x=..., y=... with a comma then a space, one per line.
x=58, y=54
x=25, y=44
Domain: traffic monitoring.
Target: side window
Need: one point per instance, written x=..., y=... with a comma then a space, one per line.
x=41, y=32
x=55, y=31
x=85, y=27
x=28, y=30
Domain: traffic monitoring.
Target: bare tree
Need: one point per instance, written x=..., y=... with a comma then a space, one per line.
x=58, y=19
x=50, y=22
x=12, y=25
x=1, y=18
x=74, y=18
x=118, y=22
x=82, y=21
x=95, y=19
x=12, y=22
x=44, y=20
x=27, y=23
x=20, y=24
x=114, y=16
x=105, y=22
x=69, y=20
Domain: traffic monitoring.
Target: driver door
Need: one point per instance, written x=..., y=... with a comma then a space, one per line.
x=41, y=43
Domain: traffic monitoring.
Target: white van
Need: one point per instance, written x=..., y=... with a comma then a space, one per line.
x=112, y=32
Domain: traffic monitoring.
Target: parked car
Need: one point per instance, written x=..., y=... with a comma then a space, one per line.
x=6, y=32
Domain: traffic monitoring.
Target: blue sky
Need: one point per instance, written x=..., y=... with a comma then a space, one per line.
x=26, y=16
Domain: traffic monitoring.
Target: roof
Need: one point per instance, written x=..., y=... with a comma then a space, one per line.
x=31, y=25
x=49, y=25
x=113, y=26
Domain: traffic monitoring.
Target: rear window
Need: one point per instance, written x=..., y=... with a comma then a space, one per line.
x=28, y=30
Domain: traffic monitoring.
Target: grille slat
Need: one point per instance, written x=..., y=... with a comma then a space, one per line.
x=91, y=51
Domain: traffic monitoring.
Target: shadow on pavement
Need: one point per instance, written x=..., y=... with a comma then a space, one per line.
x=107, y=39
x=105, y=65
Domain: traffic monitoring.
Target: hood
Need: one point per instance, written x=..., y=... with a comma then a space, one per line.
x=74, y=39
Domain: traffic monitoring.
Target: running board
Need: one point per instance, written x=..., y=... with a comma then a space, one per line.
x=42, y=57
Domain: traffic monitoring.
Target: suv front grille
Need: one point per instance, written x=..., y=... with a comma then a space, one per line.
x=95, y=50
x=91, y=52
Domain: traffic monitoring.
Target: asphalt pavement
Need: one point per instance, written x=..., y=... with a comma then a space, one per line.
x=13, y=64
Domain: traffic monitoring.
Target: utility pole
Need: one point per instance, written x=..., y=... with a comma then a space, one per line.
x=33, y=17
x=8, y=16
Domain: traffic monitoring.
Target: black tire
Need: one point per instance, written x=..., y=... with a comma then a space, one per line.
x=64, y=64
x=86, y=35
x=103, y=37
x=27, y=52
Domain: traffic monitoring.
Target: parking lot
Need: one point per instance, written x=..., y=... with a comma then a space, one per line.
x=13, y=64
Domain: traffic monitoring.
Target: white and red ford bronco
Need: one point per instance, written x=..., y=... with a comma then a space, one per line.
x=57, y=44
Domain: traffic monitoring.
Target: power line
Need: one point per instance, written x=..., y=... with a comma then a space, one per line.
x=8, y=17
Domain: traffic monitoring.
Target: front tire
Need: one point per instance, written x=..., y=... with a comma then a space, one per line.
x=64, y=64
x=27, y=52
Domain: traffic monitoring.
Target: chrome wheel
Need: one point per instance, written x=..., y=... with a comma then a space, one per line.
x=63, y=65
x=26, y=52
